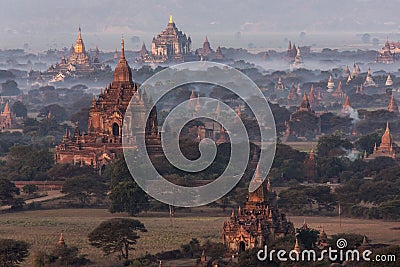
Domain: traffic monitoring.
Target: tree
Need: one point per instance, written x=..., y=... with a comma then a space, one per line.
x=333, y=145
x=7, y=192
x=128, y=197
x=192, y=249
x=307, y=237
x=19, y=109
x=57, y=111
x=117, y=235
x=84, y=187
x=12, y=252
x=30, y=189
x=10, y=88
x=29, y=162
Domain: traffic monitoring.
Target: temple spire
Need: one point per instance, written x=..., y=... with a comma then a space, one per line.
x=296, y=246
x=170, y=19
x=61, y=241
x=79, y=33
x=393, y=107
x=122, y=47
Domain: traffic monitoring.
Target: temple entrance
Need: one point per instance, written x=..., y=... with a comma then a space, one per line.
x=115, y=129
x=242, y=246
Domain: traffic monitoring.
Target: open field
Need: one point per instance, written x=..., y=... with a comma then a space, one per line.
x=304, y=146
x=42, y=229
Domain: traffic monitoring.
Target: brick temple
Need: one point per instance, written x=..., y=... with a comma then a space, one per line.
x=103, y=141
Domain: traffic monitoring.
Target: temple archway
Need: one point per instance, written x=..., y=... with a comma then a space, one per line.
x=115, y=129
x=242, y=246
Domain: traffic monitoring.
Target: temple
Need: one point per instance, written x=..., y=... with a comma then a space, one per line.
x=8, y=119
x=258, y=222
x=339, y=93
x=310, y=167
x=368, y=80
x=291, y=52
x=387, y=148
x=292, y=96
x=346, y=105
x=304, y=123
x=385, y=55
x=389, y=81
x=104, y=137
x=393, y=107
x=330, y=83
x=77, y=65
x=280, y=85
x=312, y=99
x=206, y=50
x=169, y=45
x=298, y=60
x=305, y=104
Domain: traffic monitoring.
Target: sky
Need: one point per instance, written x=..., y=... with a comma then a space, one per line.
x=44, y=24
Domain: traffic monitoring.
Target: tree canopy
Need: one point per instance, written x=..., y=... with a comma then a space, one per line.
x=117, y=235
x=12, y=252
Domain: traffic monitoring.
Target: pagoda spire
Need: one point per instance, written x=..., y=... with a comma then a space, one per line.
x=389, y=81
x=305, y=104
x=61, y=241
x=386, y=141
x=122, y=47
x=346, y=103
x=296, y=246
x=79, y=33
x=170, y=19
x=393, y=105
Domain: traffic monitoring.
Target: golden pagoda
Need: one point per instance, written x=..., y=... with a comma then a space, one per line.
x=330, y=84
x=389, y=81
x=368, y=80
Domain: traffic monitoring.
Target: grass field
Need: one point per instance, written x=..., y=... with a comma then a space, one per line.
x=42, y=229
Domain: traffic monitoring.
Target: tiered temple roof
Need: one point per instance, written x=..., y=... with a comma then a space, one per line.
x=170, y=44
x=280, y=85
x=256, y=223
x=106, y=115
x=387, y=147
x=305, y=104
x=385, y=55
